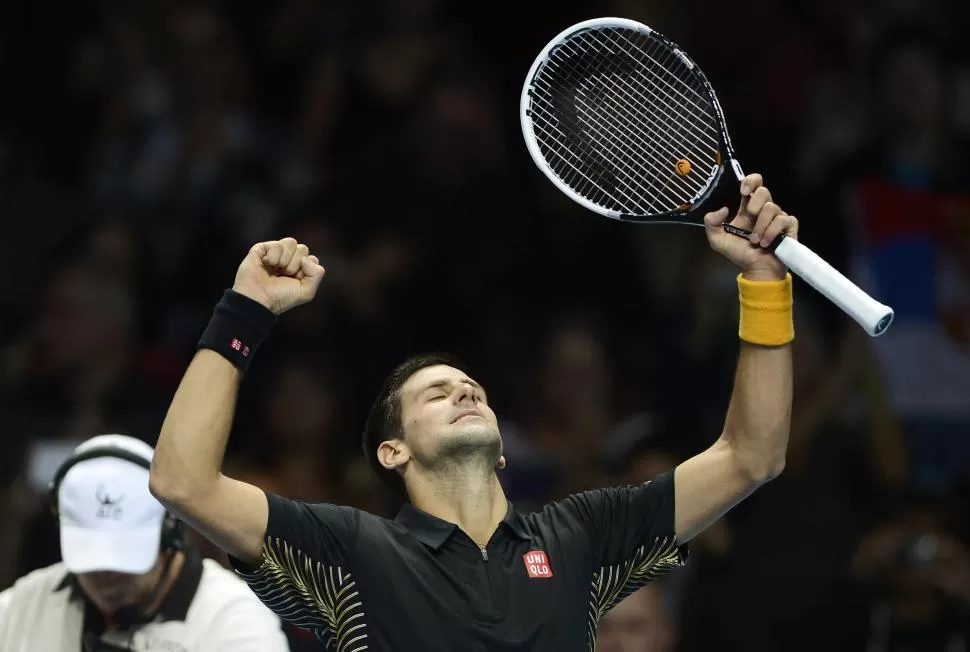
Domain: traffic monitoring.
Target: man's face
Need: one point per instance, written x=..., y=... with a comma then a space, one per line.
x=446, y=419
x=81, y=321
x=110, y=591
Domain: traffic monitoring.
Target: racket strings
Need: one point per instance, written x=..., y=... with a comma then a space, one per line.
x=670, y=60
x=656, y=142
x=569, y=177
x=581, y=147
x=579, y=126
x=608, y=144
x=690, y=122
x=654, y=94
x=646, y=137
x=614, y=110
x=588, y=115
x=623, y=181
x=578, y=136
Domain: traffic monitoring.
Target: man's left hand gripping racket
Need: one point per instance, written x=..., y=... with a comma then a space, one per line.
x=625, y=124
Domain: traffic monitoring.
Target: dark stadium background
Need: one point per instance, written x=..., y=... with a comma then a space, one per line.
x=145, y=145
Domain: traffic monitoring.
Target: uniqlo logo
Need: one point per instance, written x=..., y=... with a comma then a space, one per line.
x=236, y=344
x=537, y=564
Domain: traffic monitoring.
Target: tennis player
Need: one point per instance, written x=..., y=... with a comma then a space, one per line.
x=460, y=568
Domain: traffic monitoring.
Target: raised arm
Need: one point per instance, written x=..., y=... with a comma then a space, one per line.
x=751, y=448
x=186, y=471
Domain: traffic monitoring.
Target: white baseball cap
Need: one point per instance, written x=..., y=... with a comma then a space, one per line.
x=109, y=521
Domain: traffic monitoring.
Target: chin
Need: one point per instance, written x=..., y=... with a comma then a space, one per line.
x=477, y=430
x=479, y=439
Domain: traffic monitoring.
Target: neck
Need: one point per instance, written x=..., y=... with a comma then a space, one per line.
x=470, y=498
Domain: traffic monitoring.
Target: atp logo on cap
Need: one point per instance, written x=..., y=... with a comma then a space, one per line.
x=537, y=564
x=108, y=507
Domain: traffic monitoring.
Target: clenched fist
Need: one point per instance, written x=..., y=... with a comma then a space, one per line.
x=765, y=219
x=280, y=275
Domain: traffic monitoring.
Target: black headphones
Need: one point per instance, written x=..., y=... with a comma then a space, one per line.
x=173, y=537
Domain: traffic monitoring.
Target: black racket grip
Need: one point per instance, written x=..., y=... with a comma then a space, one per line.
x=744, y=233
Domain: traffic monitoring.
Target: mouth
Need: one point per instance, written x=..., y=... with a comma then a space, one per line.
x=466, y=414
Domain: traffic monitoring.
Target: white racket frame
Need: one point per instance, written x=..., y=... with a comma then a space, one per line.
x=874, y=317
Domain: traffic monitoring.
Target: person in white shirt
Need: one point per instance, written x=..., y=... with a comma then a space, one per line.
x=127, y=579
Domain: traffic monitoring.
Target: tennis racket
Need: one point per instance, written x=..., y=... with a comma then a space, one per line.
x=622, y=121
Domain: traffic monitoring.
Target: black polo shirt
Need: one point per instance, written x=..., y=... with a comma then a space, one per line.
x=360, y=582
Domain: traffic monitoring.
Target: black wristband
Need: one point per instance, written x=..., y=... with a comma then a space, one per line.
x=237, y=328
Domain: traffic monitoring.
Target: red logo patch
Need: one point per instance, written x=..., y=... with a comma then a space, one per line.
x=537, y=564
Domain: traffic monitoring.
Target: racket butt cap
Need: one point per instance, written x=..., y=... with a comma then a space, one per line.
x=883, y=324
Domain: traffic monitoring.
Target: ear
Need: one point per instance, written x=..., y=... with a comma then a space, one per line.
x=501, y=463
x=393, y=453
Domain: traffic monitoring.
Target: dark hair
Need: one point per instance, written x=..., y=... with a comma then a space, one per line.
x=384, y=419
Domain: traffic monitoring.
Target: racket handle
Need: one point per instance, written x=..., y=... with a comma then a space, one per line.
x=873, y=316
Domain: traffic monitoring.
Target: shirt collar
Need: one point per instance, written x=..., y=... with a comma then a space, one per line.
x=433, y=531
x=177, y=601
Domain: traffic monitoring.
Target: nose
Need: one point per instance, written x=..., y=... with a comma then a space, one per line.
x=466, y=392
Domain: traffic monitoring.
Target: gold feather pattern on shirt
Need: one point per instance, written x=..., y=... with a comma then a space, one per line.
x=321, y=599
x=611, y=584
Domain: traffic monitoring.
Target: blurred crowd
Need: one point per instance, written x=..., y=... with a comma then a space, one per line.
x=145, y=145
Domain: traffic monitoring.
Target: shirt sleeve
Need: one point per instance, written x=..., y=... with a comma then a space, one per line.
x=305, y=559
x=630, y=535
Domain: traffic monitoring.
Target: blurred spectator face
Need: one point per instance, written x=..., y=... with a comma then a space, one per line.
x=301, y=408
x=638, y=624
x=393, y=68
x=912, y=89
x=86, y=315
x=575, y=372
x=113, y=245
x=208, y=64
x=110, y=591
x=457, y=136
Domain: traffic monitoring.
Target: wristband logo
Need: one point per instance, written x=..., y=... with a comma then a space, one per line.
x=236, y=345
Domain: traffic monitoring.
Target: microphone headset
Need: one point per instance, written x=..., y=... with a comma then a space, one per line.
x=172, y=536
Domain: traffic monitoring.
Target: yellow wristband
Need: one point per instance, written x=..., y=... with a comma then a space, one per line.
x=766, y=311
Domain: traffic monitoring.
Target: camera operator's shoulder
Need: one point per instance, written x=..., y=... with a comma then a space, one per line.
x=219, y=589
x=49, y=579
